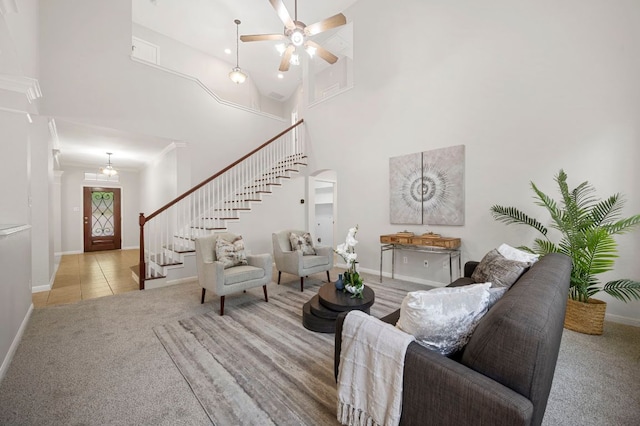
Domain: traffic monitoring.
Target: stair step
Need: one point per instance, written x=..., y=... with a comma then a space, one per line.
x=164, y=260
x=207, y=228
x=221, y=218
x=154, y=275
x=233, y=209
x=180, y=249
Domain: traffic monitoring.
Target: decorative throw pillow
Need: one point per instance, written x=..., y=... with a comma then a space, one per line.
x=443, y=319
x=231, y=253
x=303, y=243
x=498, y=270
x=513, y=253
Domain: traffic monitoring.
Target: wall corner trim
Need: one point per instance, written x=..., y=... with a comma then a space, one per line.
x=20, y=84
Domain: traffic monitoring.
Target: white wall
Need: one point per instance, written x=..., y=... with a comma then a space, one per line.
x=159, y=181
x=17, y=59
x=72, y=184
x=179, y=57
x=280, y=210
x=42, y=204
x=529, y=88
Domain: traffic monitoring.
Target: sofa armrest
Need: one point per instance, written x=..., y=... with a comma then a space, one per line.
x=446, y=392
x=469, y=267
x=440, y=391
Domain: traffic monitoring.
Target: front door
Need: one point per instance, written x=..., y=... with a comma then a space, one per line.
x=101, y=219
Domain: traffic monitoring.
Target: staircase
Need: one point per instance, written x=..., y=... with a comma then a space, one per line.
x=167, y=236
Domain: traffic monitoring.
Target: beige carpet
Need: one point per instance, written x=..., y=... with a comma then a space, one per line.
x=100, y=362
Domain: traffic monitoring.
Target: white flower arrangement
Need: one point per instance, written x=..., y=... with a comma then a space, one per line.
x=347, y=250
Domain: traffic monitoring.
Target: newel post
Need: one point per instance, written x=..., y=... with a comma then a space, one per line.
x=141, y=266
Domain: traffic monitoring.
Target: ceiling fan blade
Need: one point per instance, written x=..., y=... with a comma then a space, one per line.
x=325, y=24
x=322, y=52
x=262, y=37
x=286, y=57
x=283, y=14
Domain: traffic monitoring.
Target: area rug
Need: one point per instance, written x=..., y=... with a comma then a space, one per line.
x=257, y=364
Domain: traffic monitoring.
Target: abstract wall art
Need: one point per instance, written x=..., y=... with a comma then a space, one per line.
x=428, y=188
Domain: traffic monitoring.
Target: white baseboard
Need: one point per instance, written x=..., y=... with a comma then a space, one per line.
x=62, y=253
x=182, y=280
x=40, y=288
x=14, y=345
x=622, y=320
x=130, y=248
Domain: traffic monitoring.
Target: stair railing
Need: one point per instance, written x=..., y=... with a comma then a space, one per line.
x=205, y=207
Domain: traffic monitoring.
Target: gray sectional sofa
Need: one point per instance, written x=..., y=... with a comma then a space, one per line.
x=503, y=375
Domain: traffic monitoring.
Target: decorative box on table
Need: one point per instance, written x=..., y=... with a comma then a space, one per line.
x=431, y=240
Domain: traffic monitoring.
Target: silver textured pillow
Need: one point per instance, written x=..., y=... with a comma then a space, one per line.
x=498, y=270
x=443, y=319
x=231, y=253
x=303, y=243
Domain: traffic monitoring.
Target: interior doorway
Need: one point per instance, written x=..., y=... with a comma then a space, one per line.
x=102, y=219
x=323, y=209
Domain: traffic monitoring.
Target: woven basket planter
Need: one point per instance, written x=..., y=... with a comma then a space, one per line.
x=586, y=318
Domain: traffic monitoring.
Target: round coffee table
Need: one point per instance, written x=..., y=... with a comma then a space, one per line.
x=320, y=313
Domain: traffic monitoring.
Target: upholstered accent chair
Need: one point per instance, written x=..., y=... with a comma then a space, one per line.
x=294, y=262
x=213, y=276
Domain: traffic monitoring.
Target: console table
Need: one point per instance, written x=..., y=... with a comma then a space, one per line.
x=428, y=244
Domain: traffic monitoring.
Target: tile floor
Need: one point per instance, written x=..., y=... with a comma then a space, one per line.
x=90, y=275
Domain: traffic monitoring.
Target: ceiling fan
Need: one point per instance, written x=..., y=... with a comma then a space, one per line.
x=297, y=34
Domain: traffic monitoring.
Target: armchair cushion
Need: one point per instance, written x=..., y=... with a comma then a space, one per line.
x=242, y=273
x=313, y=261
x=303, y=243
x=231, y=253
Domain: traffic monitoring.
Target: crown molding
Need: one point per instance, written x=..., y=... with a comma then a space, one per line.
x=8, y=6
x=25, y=85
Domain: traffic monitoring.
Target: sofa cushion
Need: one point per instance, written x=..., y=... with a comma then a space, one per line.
x=231, y=253
x=442, y=319
x=498, y=270
x=303, y=243
x=513, y=253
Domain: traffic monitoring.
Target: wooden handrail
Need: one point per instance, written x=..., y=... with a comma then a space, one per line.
x=206, y=181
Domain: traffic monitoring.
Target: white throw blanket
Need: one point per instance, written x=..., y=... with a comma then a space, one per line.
x=371, y=369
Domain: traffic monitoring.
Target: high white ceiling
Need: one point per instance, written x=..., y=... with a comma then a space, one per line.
x=207, y=25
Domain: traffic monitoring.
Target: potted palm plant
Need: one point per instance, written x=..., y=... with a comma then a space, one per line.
x=587, y=226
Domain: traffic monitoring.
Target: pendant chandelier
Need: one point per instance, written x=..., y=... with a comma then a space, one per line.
x=108, y=170
x=236, y=75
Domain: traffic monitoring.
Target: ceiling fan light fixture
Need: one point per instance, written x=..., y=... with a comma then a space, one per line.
x=236, y=75
x=297, y=38
x=295, y=59
x=311, y=51
x=280, y=47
